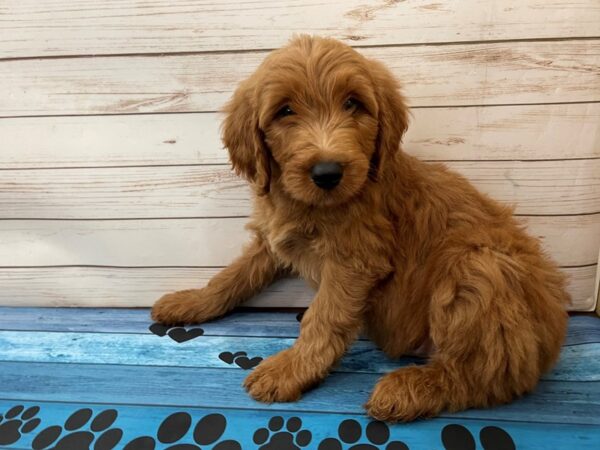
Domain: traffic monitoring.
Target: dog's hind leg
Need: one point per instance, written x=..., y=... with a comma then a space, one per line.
x=245, y=277
x=491, y=345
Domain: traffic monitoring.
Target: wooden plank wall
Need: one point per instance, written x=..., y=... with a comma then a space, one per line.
x=113, y=184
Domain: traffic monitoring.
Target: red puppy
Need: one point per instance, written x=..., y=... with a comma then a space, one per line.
x=407, y=251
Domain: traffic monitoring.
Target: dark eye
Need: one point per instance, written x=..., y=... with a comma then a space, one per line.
x=285, y=111
x=351, y=104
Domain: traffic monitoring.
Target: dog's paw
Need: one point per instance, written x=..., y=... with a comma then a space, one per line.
x=405, y=395
x=180, y=307
x=275, y=380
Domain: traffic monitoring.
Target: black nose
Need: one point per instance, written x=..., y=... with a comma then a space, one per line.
x=326, y=175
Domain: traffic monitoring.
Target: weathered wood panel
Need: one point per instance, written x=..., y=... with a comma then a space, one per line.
x=240, y=323
x=581, y=287
x=577, y=363
x=571, y=240
x=496, y=73
x=520, y=132
x=140, y=287
x=239, y=427
x=193, y=242
x=552, y=401
x=597, y=286
x=46, y=378
x=148, y=350
x=596, y=295
x=105, y=27
x=141, y=76
x=536, y=187
x=120, y=140
x=583, y=329
x=133, y=287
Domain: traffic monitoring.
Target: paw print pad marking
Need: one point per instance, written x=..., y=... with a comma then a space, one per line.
x=78, y=437
x=174, y=428
x=457, y=437
x=292, y=438
x=350, y=432
x=16, y=422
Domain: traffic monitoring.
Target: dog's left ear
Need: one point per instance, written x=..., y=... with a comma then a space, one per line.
x=393, y=114
x=243, y=138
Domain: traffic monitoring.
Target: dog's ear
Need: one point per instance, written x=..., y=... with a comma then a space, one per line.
x=243, y=139
x=392, y=117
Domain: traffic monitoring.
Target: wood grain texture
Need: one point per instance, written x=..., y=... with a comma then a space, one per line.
x=581, y=287
x=520, y=132
x=204, y=351
x=577, y=363
x=104, y=27
x=59, y=372
x=569, y=239
x=552, y=401
x=535, y=187
x=281, y=323
x=183, y=56
x=140, y=420
x=211, y=242
x=140, y=287
x=136, y=287
x=597, y=286
x=477, y=74
x=583, y=329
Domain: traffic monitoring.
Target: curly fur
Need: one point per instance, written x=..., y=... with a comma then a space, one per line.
x=409, y=252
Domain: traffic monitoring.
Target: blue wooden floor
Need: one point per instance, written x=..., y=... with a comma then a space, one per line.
x=79, y=379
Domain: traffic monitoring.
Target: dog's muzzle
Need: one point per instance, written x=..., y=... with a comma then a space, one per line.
x=326, y=175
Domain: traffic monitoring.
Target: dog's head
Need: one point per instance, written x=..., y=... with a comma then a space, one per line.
x=319, y=116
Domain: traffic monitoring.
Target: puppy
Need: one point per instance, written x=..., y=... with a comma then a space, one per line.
x=406, y=251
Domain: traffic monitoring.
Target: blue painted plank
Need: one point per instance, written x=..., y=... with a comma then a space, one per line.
x=577, y=363
x=582, y=329
x=131, y=422
x=114, y=320
x=556, y=402
x=150, y=350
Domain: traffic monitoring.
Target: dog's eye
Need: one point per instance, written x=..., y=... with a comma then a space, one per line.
x=285, y=111
x=351, y=104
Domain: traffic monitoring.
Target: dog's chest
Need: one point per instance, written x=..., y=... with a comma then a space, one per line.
x=302, y=252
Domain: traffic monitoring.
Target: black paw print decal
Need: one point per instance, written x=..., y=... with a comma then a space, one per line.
x=74, y=433
x=174, y=428
x=16, y=422
x=457, y=437
x=276, y=438
x=240, y=359
x=350, y=433
x=178, y=334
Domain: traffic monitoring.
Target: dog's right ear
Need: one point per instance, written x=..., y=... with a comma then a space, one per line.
x=243, y=138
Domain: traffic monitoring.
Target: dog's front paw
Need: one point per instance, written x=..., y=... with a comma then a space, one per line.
x=180, y=307
x=275, y=380
x=405, y=395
